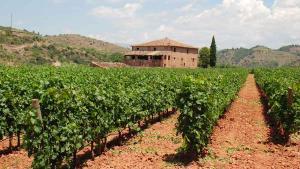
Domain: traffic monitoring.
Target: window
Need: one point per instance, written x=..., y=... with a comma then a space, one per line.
x=193, y=59
x=184, y=64
x=174, y=49
x=174, y=58
x=154, y=49
x=164, y=65
x=165, y=57
x=168, y=57
x=187, y=51
x=137, y=48
x=181, y=59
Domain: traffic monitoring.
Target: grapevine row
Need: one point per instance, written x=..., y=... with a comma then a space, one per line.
x=201, y=101
x=282, y=86
x=82, y=105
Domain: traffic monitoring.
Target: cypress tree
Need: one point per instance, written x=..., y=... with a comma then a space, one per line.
x=213, y=53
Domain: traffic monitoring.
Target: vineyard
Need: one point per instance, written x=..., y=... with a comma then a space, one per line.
x=59, y=111
x=282, y=87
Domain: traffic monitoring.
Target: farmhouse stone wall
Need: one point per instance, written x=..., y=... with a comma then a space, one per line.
x=170, y=53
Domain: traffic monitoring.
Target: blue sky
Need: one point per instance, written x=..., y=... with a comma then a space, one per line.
x=235, y=23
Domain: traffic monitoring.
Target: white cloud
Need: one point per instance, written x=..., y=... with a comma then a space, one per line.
x=287, y=3
x=234, y=22
x=128, y=10
x=248, y=22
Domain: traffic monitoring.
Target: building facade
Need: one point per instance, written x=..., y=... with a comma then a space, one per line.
x=163, y=53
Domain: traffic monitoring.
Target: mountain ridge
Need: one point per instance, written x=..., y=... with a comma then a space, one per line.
x=260, y=56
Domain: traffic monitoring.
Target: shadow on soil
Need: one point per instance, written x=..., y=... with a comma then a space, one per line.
x=9, y=150
x=116, y=141
x=181, y=159
x=277, y=135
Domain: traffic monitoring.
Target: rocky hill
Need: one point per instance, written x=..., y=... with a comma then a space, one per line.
x=260, y=56
x=24, y=47
x=79, y=41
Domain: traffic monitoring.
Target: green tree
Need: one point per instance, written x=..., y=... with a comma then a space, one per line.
x=213, y=53
x=204, y=57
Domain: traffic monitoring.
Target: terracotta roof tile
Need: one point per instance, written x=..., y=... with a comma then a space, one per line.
x=165, y=42
x=146, y=53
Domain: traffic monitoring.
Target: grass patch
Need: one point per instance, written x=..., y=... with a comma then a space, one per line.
x=232, y=150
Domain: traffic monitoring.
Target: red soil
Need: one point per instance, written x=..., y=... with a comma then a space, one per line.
x=146, y=150
x=240, y=140
x=14, y=159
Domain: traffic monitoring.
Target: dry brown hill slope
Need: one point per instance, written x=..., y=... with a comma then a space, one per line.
x=79, y=41
x=19, y=47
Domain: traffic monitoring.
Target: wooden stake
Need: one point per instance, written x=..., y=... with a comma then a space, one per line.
x=19, y=142
x=37, y=107
x=290, y=97
x=104, y=145
x=92, y=150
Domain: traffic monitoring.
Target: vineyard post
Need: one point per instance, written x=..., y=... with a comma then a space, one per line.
x=18, y=137
x=105, y=144
x=92, y=150
x=37, y=107
x=290, y=97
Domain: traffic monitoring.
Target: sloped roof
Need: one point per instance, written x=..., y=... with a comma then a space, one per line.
x=146, y=53
x=165, y=42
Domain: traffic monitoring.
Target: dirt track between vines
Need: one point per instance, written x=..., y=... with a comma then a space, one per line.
x=240, y=140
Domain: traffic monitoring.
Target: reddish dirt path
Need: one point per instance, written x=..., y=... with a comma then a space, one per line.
x=241, y=139
x=148, y=149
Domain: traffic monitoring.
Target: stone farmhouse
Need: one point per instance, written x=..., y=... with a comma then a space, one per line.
x=163, y=53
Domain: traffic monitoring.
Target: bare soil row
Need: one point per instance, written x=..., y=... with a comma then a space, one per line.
x=242, y=139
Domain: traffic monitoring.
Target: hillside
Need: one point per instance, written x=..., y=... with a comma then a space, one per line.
x=260, y=56
x=79, y=41
x=24, y=47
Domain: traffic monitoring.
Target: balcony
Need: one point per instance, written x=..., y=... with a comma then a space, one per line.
x=144, y=63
